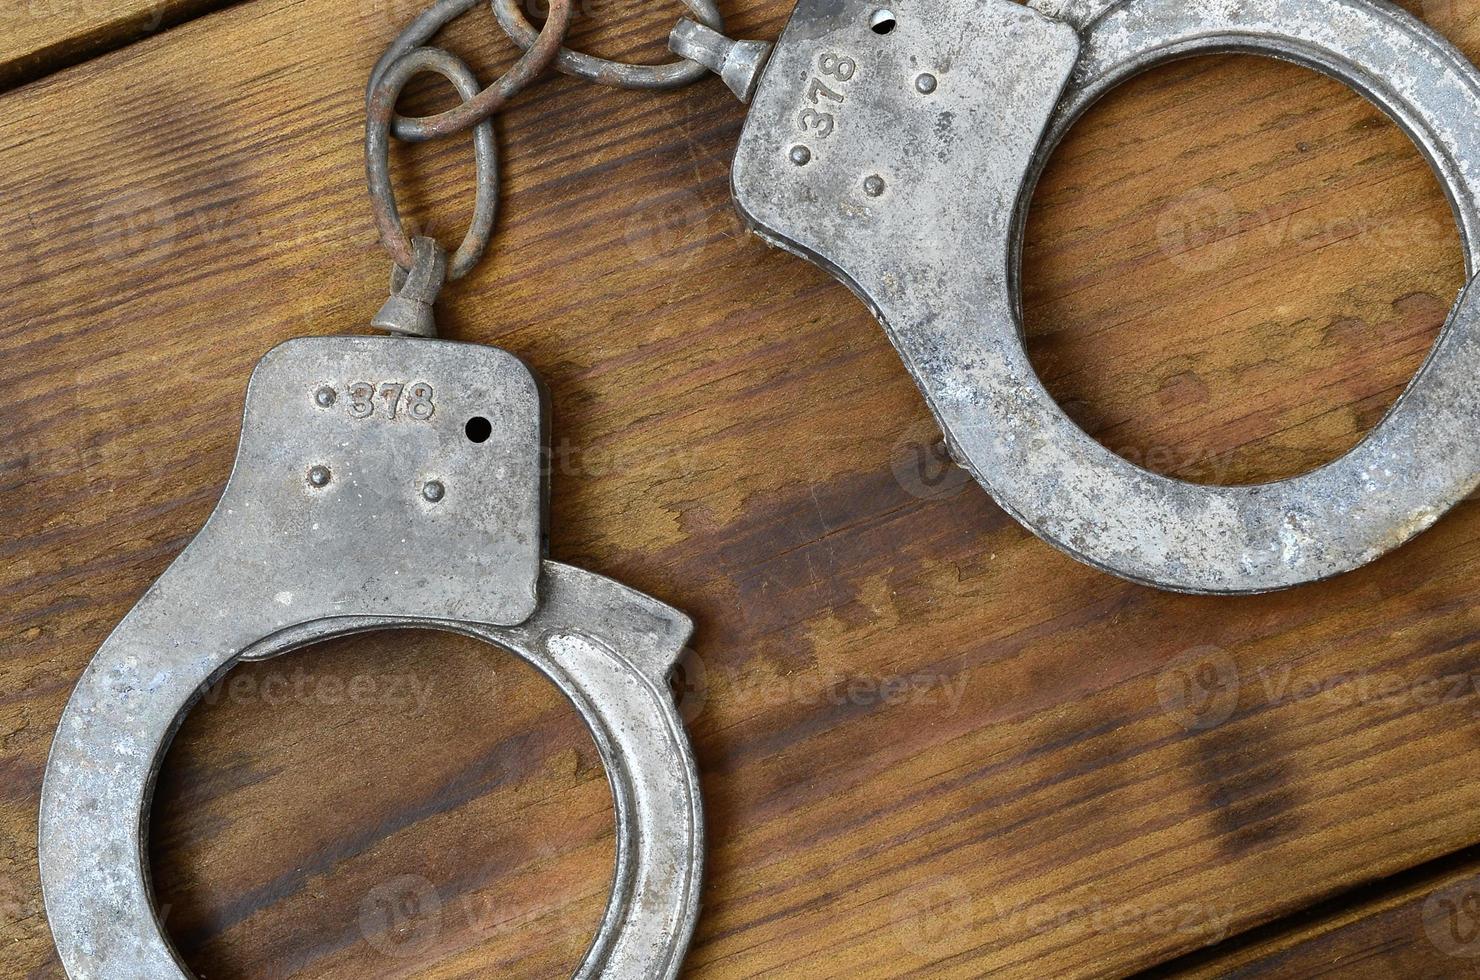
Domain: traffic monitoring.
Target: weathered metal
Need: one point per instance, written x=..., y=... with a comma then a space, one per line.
x=409, y=310
x=385, y=483
x=737, y=63
x=539, y=54
x=896, y=145
x=604, y=71
x=382, y=104
x=397, y=482
x=360, y=501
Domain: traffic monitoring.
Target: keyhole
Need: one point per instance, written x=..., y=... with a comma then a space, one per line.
x=478, y=429
x=882, y=22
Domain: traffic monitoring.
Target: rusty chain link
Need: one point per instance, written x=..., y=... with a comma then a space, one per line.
x=387, y=88
x=537, y=57
x=409, y=56
x=604, y=71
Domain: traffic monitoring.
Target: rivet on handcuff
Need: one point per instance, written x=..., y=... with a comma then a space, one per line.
x=895, y=145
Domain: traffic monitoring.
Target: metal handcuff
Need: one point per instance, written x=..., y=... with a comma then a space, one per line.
x=897, y=146
x=381, y=483
x=387, y=482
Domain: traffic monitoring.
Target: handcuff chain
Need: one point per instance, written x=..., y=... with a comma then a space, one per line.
x=700, y=46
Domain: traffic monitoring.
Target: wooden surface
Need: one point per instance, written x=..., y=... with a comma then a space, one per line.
x=930, y=744
x=1424, y=922
x=39, y=37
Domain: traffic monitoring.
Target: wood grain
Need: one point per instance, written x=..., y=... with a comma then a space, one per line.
x=931, y=745
x=1424, y=922
x=38, y=37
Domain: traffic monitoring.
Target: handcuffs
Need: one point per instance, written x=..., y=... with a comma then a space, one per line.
x=341, y=517
x=392, y=482
x=910, y=180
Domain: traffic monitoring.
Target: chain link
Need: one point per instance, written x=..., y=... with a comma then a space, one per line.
x=408, y=56
x=538, y=56
x=603, y=71
x=388, y=87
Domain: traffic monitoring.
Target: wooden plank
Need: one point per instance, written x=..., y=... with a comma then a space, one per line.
x=1423, y=923
x=931, y=745
x=38, y=37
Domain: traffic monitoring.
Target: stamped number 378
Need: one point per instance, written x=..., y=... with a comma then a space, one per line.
x=816, y=118
x=393, y=398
